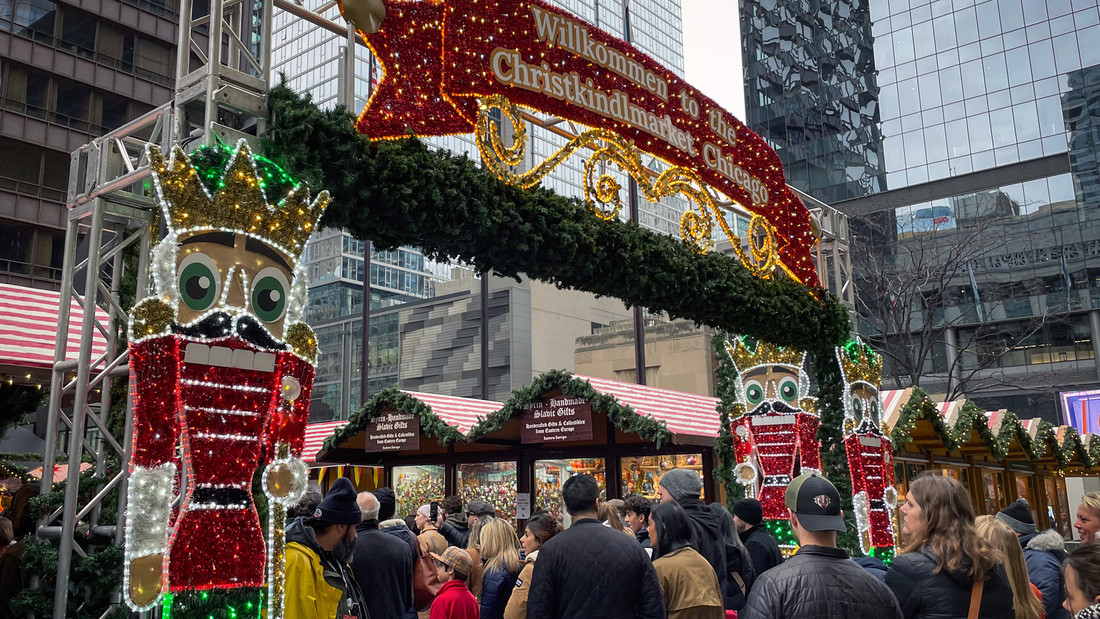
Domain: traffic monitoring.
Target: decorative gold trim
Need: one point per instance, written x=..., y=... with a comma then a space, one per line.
x=602, y=191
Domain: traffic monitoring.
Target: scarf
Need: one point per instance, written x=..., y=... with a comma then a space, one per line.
x=1089, y=612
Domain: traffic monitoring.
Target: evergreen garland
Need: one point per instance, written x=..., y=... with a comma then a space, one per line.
x=725, y=386
x=622, y=416
x=398, y=192
x=393, y=398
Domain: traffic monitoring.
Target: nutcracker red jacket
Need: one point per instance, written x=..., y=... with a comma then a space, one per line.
x=454, y=601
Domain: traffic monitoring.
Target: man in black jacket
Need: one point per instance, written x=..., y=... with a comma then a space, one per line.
x=747, y=516
x=475, y=510
x=684, y=487
x=820, y=580
x=382, y=566
x=591, y=570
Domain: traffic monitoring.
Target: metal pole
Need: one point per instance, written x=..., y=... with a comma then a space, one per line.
x=80, y=408
x=639, y=312
x=485, y=336
x=365, y=358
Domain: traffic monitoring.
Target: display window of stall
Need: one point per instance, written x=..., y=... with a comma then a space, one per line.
x=993, y=491
x=417, y=485
x=551, y=474
x=961, y=474
x=493, y=482
x=1025, y=486
x=1063, y=508
x=1051, y=495
x=642, y=475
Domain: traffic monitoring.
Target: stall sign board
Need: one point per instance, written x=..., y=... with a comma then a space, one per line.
x=393, y=432
x=556, y=420
x=1081, y=411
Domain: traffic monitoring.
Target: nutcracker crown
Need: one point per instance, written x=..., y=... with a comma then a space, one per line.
x=763, y=353
x=858, y=363
x=240, y=203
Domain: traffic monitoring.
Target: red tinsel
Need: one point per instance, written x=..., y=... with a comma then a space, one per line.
x=773, y=449
x=438, y=58
x=872, y=471
x=215, y=549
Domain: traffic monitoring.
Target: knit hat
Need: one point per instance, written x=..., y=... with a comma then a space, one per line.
x=749, y=510
x=1018, y=517
x=339, y=506
x=682, y=484
x=457, y=559
x=387, y=503
x=480, y=508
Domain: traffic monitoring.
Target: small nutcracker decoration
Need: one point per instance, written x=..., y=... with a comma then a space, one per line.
x=774, y=423
x=221, y=369
x=869, y=450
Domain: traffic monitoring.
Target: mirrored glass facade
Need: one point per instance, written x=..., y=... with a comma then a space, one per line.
x=978, y=139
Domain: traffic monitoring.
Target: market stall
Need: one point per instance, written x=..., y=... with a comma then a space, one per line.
x=518, y=454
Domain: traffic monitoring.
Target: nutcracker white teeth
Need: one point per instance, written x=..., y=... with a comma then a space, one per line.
x=221, y=366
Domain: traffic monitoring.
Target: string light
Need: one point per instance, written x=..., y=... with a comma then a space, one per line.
x=869, y=450
x=438, y=58
x=224, y=388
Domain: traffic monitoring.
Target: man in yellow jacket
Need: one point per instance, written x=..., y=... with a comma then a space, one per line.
x=319, y=583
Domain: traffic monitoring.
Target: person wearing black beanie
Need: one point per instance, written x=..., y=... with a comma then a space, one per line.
x=762, y=547
x=1044, y=554
x=319, y=583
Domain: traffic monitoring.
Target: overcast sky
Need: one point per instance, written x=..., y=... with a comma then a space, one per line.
x=712, y=52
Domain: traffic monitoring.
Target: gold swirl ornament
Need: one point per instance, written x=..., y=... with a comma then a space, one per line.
x=602, y=191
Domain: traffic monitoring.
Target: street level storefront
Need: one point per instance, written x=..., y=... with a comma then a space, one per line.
x=995, y=454
x=518, y=454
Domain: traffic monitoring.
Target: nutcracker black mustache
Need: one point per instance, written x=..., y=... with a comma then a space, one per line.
x=224, y=324
x=779, y=407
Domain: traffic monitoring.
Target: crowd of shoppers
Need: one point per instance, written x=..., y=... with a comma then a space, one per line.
x=348, y=555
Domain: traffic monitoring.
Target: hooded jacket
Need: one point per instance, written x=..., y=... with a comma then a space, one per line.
x=923, y=594
x=318, y=586
x=711, y=543
x=1044, y=553
x=820, y=582
x=589, y=571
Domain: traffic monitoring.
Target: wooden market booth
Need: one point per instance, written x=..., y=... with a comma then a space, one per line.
x=625, y=435
x=997, y=456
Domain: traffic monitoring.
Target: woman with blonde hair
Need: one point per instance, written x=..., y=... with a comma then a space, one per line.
x=944, y=569
x=1026, y=598
x=1088, y=517
x=501, y=565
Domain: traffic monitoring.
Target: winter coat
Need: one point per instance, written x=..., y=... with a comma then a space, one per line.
x=873, y=566
x=763, y=549
x=1044, y=553
x=517, y=604
x=382, y=565
x=454, y=534
x=590, y=570
x=496, y=587
x=923, y=594
x=318, y=586
x=722, y=556
x=690, y=585
x=454, y=601
x=819, y=582
x=397, y=528
x=642, y=537
x=432, y=541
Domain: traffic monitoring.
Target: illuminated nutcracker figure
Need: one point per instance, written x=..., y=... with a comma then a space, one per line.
x=870, y=452
x=221, y=369
x=774, y=423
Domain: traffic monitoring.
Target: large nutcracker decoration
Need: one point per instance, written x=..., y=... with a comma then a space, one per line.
x=774, y=423
x=869, y=450
x=221, y=370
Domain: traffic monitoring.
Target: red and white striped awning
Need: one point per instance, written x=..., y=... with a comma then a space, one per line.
x=461, y=413
x=685, y=413
x=316, y=433
x=28, y=327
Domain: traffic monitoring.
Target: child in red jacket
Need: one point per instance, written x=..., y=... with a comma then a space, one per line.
x=454, y=600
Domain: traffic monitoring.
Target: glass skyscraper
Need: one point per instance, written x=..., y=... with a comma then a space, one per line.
x=975, y=122
x=311, y=58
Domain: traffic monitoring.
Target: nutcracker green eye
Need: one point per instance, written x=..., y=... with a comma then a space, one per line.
x=269, y=291
x=857, y=407
x=754, y=392
x=199, y=281
x=874, y=406
x=788, y=390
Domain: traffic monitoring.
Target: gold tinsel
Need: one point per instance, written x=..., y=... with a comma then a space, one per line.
x=864, y=366
x=151, y=317
x=303, y=341
x=764, y=354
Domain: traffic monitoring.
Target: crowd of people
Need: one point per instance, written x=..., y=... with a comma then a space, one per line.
x=349, y=555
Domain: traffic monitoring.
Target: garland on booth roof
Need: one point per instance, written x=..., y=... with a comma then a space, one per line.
x=622, y=416
x=393, y=398
x=398, y=192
